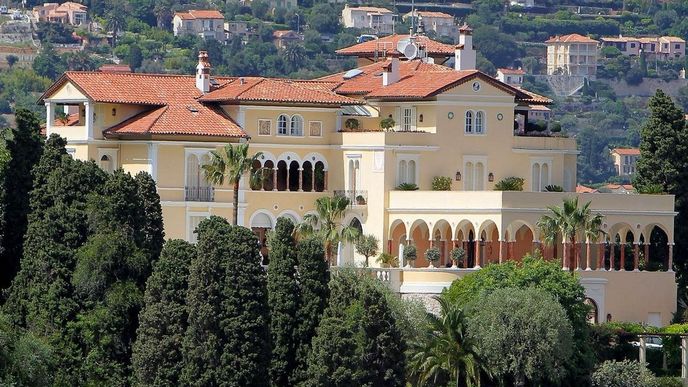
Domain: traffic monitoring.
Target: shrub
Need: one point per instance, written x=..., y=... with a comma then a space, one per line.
x=352, y=124
x=441, y=183
x=510, y=184
x=623, y=374
x=555, y=127
x=540, y=125
x=432, y=254
x=668, y=381
x=458, y=254
x=388, y=260
x=407, y=187
x=410, y=252
x=554, y=188
x=387, y=123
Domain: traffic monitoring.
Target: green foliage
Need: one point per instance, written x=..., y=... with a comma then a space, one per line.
x=523, y=334
x=367, y=246
x=407, y=187
x=432, y=254
x=327, y=225
x=157, y=356
x=387, y=123
x=153, y=228
x=554, y=188
x=48, y=63
x=25, y=360
x=351, y=124
x=634, y=76
x=458, y=255
x=410, y=252
x=283, y=295
x=441, y=183
x=314, y=292
x=387, y=260
x=227, y=337
x=624, y=373
x=24, y=145
x=498, y=48
x=510, y=184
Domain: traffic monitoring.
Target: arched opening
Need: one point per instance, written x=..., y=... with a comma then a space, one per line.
x=261, y=224
x=268, y=173
x=282, y=125
x=420, y=235
x=536, y=177
x=294, y=176
x=403, y=172
x=282, y=175
x=106, y=164
x=523, y=242
x=307, y=180
x=658, y=250
x=256, y=185
x=469, y=174
x=296, y=126
x=397, y=236
x=356, y=223
x=479, y=176
x=594, y=311
x=411, y=177
x=319, y=176
x=544, y=176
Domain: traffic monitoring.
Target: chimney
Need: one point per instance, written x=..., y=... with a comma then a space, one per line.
x=390, y=72
x=203, y=72
x=464, y=54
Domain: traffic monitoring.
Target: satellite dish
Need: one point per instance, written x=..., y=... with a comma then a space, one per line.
x=410, y=51
x=401, y=45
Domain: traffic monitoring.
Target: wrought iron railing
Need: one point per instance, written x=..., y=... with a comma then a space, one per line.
x=356, y=197
x=199, y=194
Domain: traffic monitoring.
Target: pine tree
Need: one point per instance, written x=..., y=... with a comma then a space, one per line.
x=25, y=145
x=154, y=235
x=283, y=295
x=314, y=292
x=335, y=359
x=157, y=357
x=227, y=340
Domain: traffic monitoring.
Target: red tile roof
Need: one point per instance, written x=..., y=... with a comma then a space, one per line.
x=389, y=43
x=110, y=68
x=371, y=9
x=626, y=151
x=512, y=71
x=432, y=14
x=584, y=189
x=175, y=109
x=257, y=89
x=571, y=38
x=200, y=14
x=69, y=120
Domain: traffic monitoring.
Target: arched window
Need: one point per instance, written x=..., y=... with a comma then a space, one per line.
x=294, y=176
x=268, y=176
x=282, y=124
x=282, y=175
x=480, y=122
x=469, y=122
x=296, y=126
x=256, y=184
x=544, y=176
x=106, y=164
x=536, y=177
x=355, y=223
x=479, y=177
x=411, y=176
x=307, y=173
x=469, y=173
x=319, y=176
x=402, y=171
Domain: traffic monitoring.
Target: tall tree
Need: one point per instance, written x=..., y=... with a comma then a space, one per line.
x=25, y=145
x=445, y=352
x=231, y=164
x=314, y=292
x=663, y=165
x=153, y=228
x=228, y=334
x=283, y=297
x=157, y=356
x=326, y=224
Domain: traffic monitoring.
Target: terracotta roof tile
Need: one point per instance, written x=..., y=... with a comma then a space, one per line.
x=626, y=151
x=432, y=14
x=256, y=89
x=512, y=71
x=200, y=14
x=571, y=38
x=584, y=189
x=371, y=9
x=389, y=43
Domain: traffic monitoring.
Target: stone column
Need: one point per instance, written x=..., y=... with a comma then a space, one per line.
x=50, y=117
x=670, y=266
x=300, y=180
x=455, y=243
x=642, y=358
x=464, y=244
x=501, y=251
x=565, y=255
x=612, y=247
x=636, y=256
x=647, y=254
x=477, y=254
x=600, y=256
x=576, y=253
x=536, y=246
x=287, y=187
x=684, y=356
x=623, y=256
x=325, y=180
x=588, y=253
x=313, y=178
x=274, y=179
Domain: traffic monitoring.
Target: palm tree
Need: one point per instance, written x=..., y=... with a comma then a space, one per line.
x=567, y=222
x=231, y=163
x=326, y=223
x=446, y=351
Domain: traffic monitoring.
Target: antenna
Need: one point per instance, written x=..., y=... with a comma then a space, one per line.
x=410, y=51
x=413, y=17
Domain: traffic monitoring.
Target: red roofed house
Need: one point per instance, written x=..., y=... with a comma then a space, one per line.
x=65, y=13
x=208, y=24
x=283, y=38
x=624, y=160
x=512, y=77
x=440, y=23
x=361, y=134
x=572, y=54
x=370, y=19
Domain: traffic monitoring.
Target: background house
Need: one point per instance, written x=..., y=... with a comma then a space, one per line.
x=572, y=54
x=512, y=77
x=440, y=23
x=208, y=24
x=65, y=13
x=371, y=19
x=282, y=38
x=624, y=160
x=662, y=48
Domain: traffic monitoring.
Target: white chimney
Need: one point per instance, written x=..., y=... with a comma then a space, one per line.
x=464, y=54
x=203, y=72
x=390, y=72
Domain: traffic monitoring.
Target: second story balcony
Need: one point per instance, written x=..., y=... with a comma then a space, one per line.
x=199, y=194
x=356, y=197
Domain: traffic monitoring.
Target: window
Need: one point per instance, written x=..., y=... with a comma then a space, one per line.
x=315, y=128
x=474, y=173
x=107, y=159
x=408, y=118
x=677, y=46
x=264, y=127
x=296, y=128
x=282, y=122
x=469, y=122
x=106, y=164
x=479, y=122
x=197, y=187
x=407, y=169
x=194, y=221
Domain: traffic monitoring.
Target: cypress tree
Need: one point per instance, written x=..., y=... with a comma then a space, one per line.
x=314, y=292
x=283, y=294
x=227, y=340
x=154, y=235
x=335, y=358
x=25, y=145
x=157, y=357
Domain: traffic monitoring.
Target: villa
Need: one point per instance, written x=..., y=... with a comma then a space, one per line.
x=324, y=137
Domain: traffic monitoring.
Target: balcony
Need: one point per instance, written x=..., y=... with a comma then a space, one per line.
x=199, y=194
x=356, y=197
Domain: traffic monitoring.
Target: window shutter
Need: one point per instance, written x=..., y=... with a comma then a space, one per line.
x=413, y=118
x=397, y=118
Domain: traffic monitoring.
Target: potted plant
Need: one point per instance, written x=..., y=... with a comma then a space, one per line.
x=441, y=183
x=352, y=124
x=554, y=188
x=432, y=255
x=458, y=255
x=360, y=200
x=510, y=184
x=407, y=187
x=409, y=255
x=387, y=124
x=386, y=260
